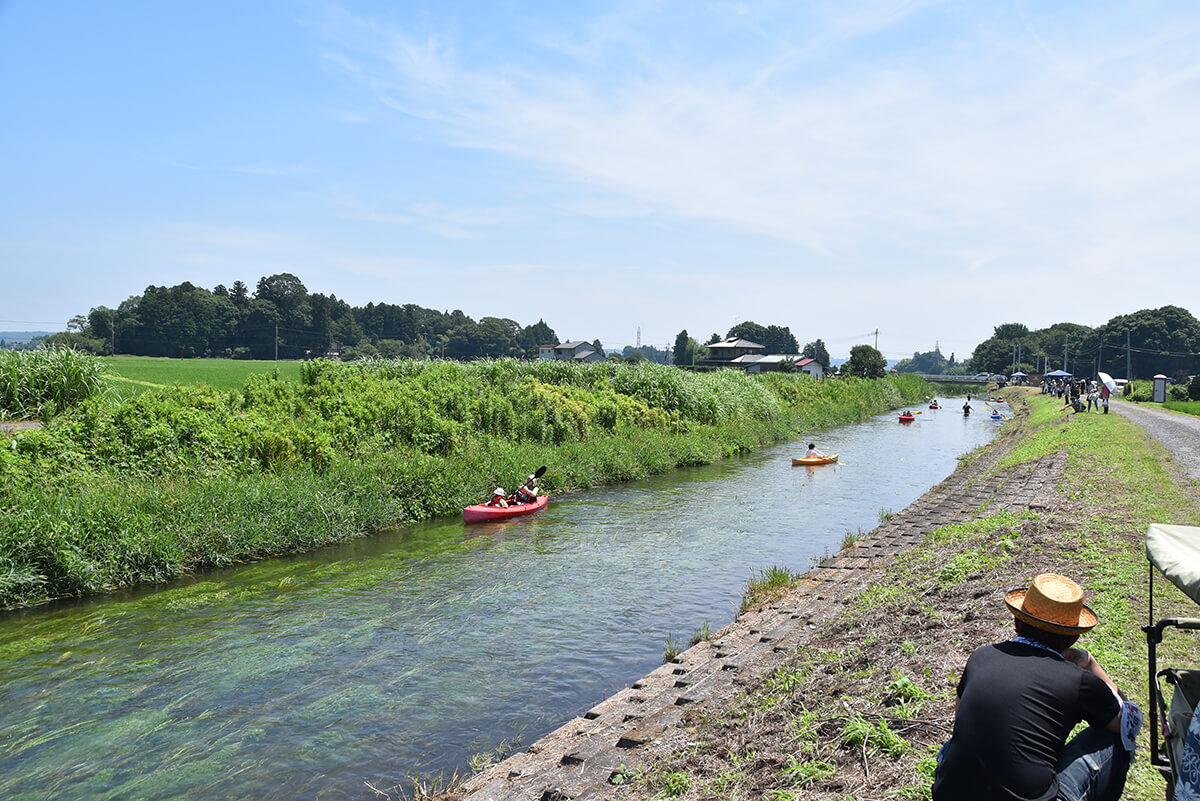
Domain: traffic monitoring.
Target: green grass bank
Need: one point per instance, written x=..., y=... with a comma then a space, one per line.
x=120, y=490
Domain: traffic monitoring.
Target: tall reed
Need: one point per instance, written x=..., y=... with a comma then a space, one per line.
x=41, y=383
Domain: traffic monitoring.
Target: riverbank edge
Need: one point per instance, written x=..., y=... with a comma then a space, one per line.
x=171, y=528
x=587, y=757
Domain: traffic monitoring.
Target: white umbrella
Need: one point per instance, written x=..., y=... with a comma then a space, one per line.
x=1107, y=380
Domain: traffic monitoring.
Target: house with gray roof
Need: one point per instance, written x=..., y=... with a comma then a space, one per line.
x=570, y=352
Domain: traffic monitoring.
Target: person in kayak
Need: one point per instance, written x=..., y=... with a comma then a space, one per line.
x=498, y=498
x=1019, y=701
x=812, y=452
x=527, y=492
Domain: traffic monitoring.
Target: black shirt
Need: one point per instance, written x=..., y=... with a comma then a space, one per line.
x=1017, y=705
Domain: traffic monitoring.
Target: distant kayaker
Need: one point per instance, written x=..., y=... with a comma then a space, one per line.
x=812, y=452
x=527, y=492
x=498, y=498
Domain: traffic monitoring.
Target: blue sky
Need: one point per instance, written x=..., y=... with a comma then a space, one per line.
x=927, y=169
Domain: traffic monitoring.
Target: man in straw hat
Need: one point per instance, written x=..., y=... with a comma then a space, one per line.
x=1018, y=701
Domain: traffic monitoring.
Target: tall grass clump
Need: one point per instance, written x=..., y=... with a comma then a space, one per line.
x=119, y=490
x=41, y=383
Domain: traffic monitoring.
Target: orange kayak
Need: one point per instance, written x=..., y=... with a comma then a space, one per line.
x=814, y=460
x=481, y=512
x=907, y=418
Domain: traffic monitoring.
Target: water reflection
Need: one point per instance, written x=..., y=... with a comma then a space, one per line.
x=306, y=677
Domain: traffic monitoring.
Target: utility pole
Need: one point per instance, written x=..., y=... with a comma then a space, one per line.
x=1065, y=370
x=876, y=339
x=276, y=341
x=1128, y=359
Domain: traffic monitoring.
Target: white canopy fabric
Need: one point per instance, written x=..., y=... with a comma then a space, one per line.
x=1175, y=550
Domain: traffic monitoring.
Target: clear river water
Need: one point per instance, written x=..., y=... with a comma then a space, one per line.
x=409, y=651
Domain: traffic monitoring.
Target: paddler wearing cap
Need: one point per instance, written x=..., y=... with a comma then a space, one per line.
x=1018, y=701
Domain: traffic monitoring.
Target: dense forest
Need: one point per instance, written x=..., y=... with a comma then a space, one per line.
x=282, y=319
x=1140, y=345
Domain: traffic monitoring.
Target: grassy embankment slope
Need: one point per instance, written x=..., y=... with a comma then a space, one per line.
x=863, y=713
x=122, y=490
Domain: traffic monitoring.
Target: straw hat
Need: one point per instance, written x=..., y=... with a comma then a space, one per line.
x=1052, y=603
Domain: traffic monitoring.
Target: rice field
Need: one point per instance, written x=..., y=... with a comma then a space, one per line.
x=129, y=375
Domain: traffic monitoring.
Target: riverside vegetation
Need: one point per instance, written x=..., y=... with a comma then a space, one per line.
x=117, y=490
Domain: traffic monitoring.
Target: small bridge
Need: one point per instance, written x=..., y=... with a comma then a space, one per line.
x=955, y=379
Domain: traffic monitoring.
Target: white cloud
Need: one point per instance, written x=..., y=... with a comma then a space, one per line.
x=994, y=138
x=1019, y=152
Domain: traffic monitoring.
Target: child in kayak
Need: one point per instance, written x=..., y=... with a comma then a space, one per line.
x=498, y=498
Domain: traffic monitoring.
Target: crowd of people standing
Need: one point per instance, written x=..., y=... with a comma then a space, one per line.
x=1081, y=394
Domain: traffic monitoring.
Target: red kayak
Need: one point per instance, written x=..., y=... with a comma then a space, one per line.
x=907, y=418
x=482, y=512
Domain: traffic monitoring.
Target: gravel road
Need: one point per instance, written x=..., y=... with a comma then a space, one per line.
x=1179, y=433
x=19, y=426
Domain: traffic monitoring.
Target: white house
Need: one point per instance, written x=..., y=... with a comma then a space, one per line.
x=810, y=366
x=774, y=363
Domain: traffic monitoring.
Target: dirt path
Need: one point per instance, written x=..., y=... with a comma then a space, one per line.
x=24, y=425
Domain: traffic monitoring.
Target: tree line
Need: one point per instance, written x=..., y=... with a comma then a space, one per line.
x=1143, y=344
x=1146, y=343
x=282, y=319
